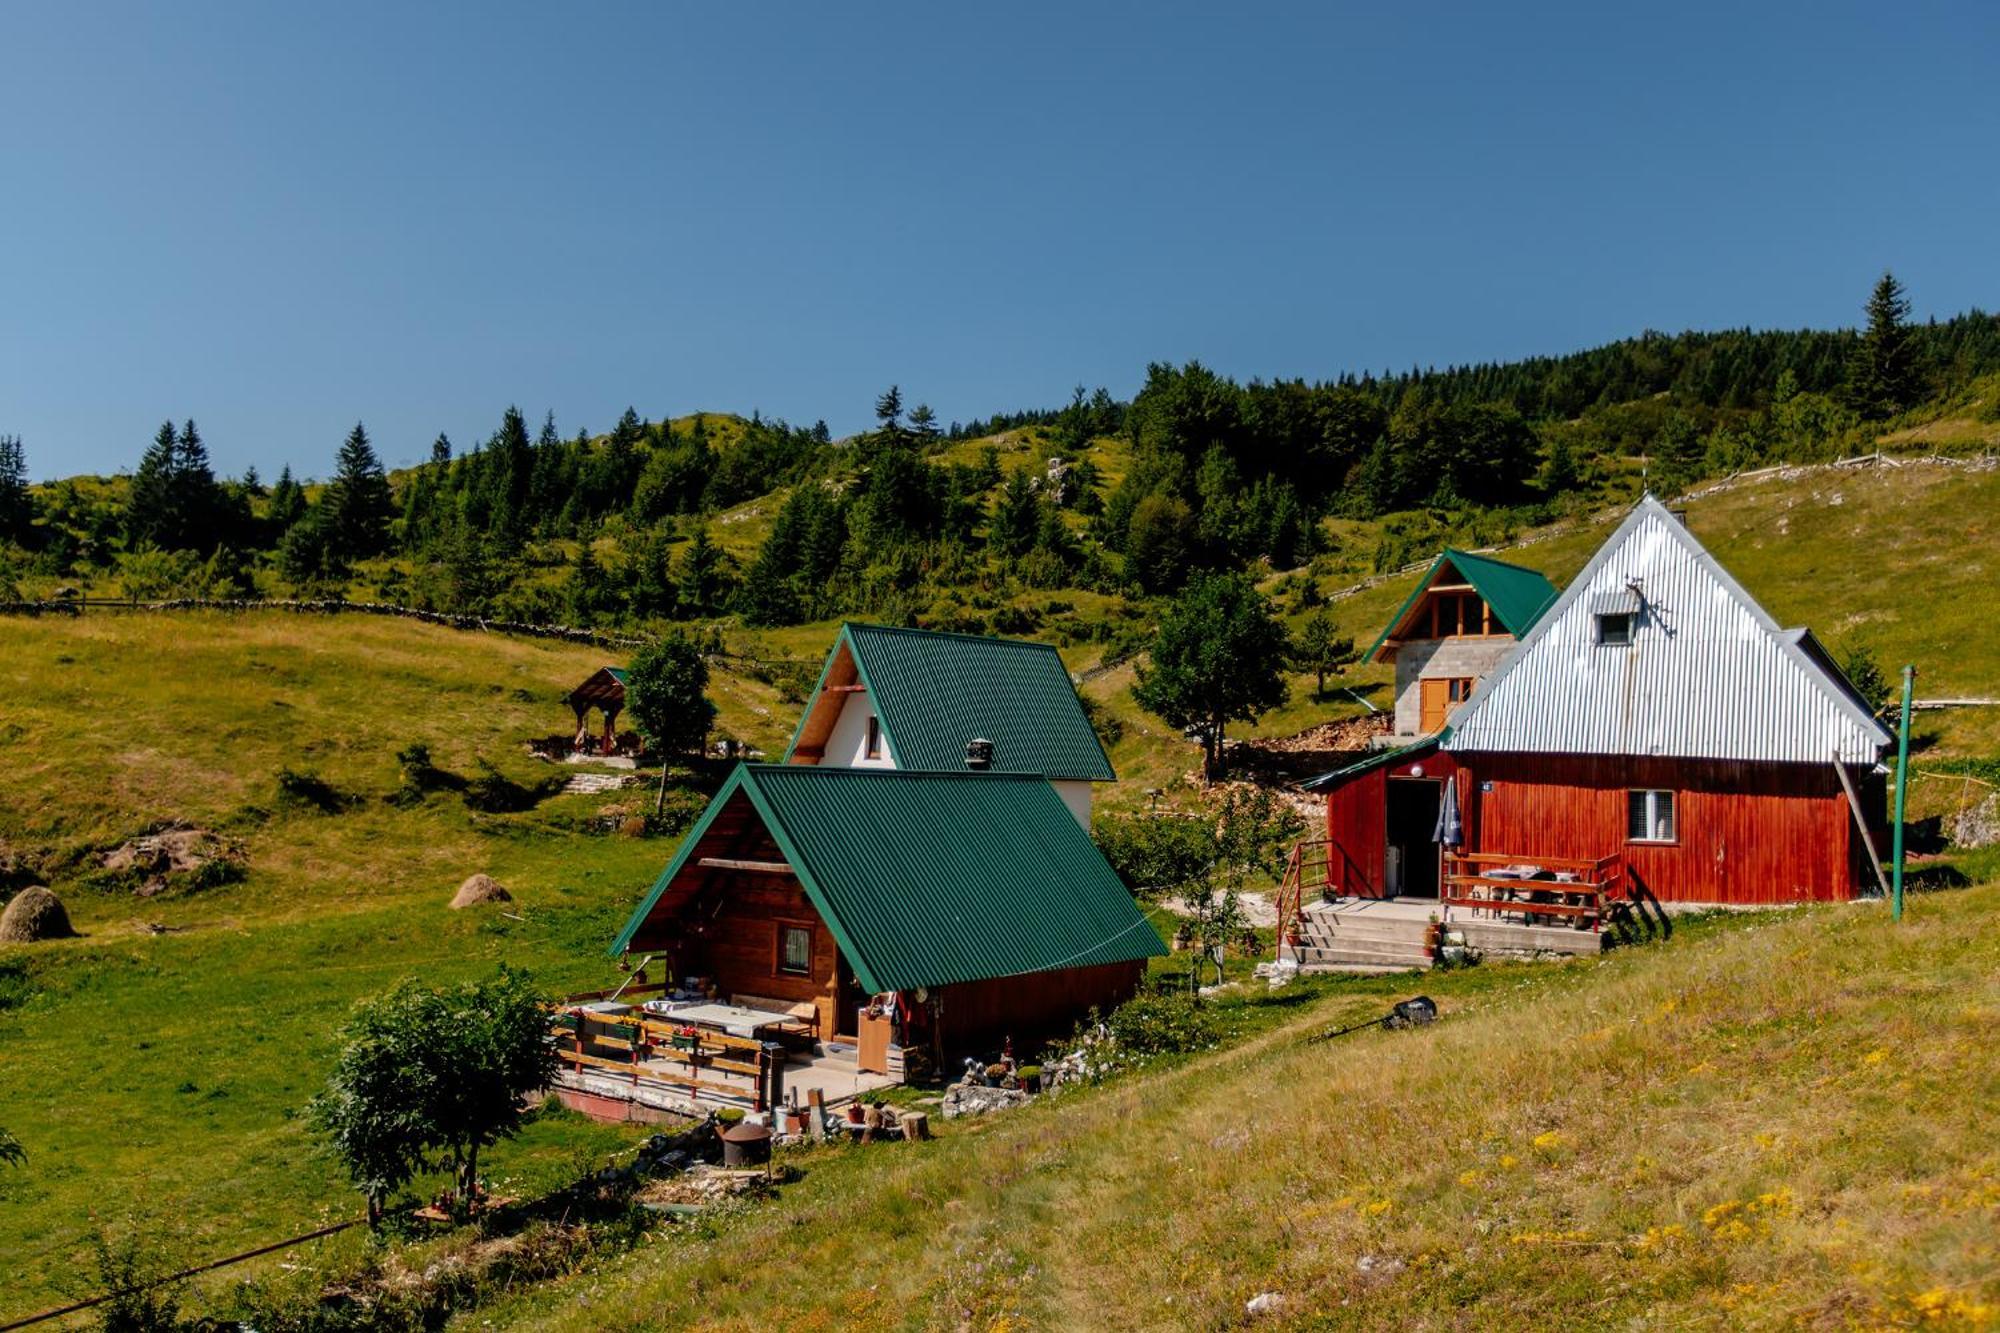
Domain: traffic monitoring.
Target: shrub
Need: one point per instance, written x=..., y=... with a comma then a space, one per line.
x=1163, y=1024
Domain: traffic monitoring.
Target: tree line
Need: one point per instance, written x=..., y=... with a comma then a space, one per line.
x=909, y=521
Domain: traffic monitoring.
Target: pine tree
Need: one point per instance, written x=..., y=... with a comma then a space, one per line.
x=1678, y=456
x=441, y=450
x=588, y=594
x=923, y=425
x=288, y=503
x=1882, y=375
x=358, y=502
x=699, y=585
x=1016, y=517
x=16, y=505
x=149, y=503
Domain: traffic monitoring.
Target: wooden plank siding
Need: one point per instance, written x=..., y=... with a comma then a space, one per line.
x=727, y=928
x=1745, y=832
x=973, y=1014
x=1357, y=823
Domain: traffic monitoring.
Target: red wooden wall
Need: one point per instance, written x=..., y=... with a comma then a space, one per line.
x=1358, y=825
x=1745, y=833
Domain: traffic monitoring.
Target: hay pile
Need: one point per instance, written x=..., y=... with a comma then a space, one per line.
x=479, y=889
x=35, y=914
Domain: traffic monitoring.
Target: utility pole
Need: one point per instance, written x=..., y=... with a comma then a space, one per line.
x=1902, y=790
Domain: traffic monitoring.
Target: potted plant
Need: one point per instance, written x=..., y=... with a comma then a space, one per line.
x=1031, y=1077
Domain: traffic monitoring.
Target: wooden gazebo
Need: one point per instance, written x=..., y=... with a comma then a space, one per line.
x=604, y=690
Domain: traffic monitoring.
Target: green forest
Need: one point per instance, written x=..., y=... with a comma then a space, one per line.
x=973, y=525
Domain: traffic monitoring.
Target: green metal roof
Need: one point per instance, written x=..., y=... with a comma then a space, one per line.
x=1518, y=596
x=931, y=878
x=934, y=692
x=619, y=674
x=1375, y=761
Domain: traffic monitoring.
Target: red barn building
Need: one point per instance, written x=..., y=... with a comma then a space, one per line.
x=1655, y=733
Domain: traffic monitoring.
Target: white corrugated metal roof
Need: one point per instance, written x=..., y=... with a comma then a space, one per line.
x=1708, y=674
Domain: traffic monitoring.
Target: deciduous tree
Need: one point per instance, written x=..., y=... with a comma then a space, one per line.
x=1217, y=659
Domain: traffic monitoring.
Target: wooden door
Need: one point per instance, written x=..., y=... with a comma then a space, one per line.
x=1435, y=704
x=871, y=1055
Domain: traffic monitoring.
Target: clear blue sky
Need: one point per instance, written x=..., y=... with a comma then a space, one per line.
x=278, y=219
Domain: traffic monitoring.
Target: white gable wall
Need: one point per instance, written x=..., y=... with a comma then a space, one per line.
x=847, y=743
x=1708, y=675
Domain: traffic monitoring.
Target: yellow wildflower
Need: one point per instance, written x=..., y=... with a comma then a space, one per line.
x=1380, y=1206
x=1546, y=1141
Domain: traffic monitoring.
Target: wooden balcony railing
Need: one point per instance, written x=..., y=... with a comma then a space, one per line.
x=635, y=1044
x=1541, y=890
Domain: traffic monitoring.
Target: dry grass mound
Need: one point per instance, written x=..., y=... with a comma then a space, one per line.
x=479, y=889
x=34, y=914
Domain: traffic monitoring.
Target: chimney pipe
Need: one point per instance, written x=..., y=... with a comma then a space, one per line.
x=979, y=755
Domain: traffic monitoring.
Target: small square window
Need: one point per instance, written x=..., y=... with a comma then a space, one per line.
x=874, y=746
x=795, y=950
x=1614, y=628
x=1649, y=816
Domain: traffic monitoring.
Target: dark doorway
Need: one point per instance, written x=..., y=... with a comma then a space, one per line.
x=1413, y=857
x=848, y=997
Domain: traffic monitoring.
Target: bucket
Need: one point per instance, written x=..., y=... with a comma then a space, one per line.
x=746, y=1145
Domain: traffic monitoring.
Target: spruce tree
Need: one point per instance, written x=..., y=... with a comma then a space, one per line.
x=1016, y=517
x=441, y=450
x=288, y=503
x=1882, y=375
x=149, y=502
x=358, y=502
x=699, y=586
x=16, y=506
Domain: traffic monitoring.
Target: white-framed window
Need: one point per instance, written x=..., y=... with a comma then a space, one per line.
x=873, y=748
x=1649, y=815
x=795, y=950
x=1614, y=628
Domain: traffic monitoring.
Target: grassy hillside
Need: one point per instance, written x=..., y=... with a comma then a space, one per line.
x=1786, y=1123
x=180, y=1059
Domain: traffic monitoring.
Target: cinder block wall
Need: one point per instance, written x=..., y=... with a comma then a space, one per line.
x=1429, y=659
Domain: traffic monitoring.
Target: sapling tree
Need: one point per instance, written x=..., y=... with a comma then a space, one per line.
x=428, y=1077
x=1204, y=860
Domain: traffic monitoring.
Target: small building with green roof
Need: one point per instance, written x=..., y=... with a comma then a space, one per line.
x=899, y=698
x=966, y=906
x=1451, y=632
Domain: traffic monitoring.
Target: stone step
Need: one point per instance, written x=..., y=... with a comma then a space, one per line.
x=1379, y=934
x=1358, y=969
x=1345, y=955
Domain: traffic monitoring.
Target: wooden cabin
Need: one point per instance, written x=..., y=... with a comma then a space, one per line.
x=966, y=907
x=918, y=699
x=1654, y=734
x=1456, y=626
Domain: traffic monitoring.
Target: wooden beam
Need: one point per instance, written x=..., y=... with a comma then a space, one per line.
x=1860, y=821
x=847, y=689
x=731, y=863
